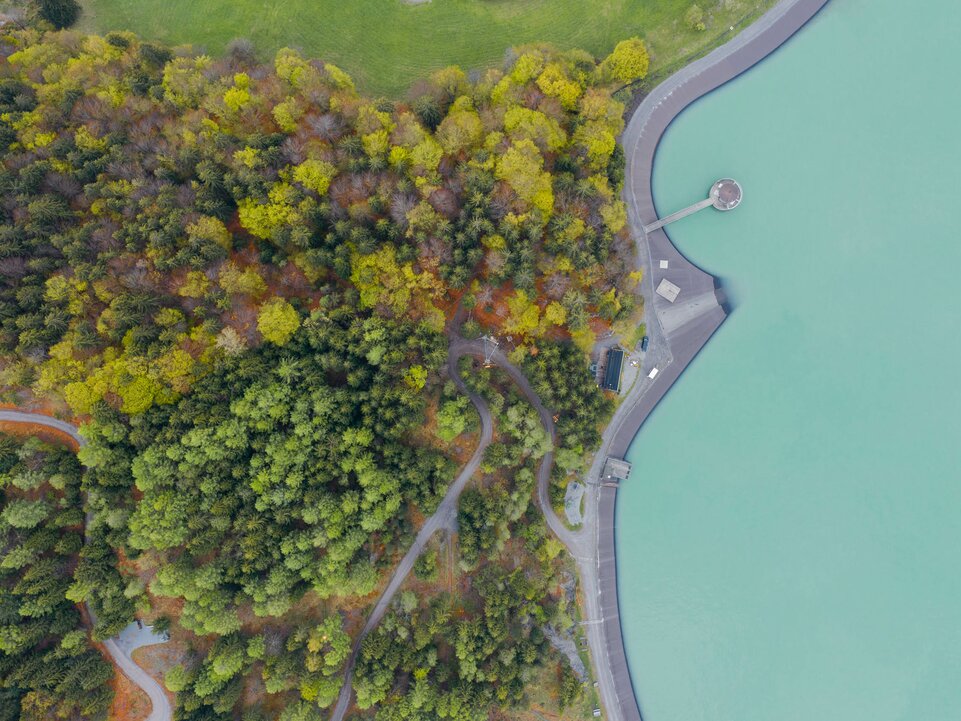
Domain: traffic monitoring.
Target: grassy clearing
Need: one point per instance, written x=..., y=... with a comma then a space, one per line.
x=386, y=44
x=636, y=336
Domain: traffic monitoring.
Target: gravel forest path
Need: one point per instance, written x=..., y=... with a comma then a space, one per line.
x=445, y=517
x=119, y=650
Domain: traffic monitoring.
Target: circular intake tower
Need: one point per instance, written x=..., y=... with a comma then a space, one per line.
x=726, y=194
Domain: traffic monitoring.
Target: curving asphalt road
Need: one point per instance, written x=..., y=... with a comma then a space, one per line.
x=119, y=648
x=677, y=330
x=44, y=420
x=159, y=703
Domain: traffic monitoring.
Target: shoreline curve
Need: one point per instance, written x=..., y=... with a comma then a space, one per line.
x=678, y=330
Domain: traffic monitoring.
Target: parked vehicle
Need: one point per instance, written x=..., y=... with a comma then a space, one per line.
x=644, y=341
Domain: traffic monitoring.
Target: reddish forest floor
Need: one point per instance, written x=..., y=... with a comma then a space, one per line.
x=130, y=703
x=35, y=430
x=156, y=660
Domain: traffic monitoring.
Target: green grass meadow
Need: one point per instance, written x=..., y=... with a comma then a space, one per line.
x=386, y=44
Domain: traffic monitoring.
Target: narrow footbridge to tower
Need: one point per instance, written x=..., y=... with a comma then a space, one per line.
x=725, y=194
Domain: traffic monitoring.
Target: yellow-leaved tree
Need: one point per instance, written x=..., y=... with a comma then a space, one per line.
x=522, y=168
x=627, y=62
x=277, y=321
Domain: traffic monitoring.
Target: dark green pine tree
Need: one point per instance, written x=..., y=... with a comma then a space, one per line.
x=59, y=13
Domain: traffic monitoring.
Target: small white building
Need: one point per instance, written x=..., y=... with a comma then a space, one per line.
x=667, y=290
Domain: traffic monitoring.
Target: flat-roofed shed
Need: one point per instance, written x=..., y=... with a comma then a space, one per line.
x=668, y=290
x=616, y=468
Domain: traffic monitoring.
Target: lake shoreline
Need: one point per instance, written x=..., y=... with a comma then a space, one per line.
x=678, y=330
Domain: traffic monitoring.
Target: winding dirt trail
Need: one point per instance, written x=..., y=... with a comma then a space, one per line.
x=445, y=517
x=446, y=514
x=119, y=651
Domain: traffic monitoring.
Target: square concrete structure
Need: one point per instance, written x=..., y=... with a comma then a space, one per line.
x=667, y=290
x=616, y=468
x=663, y=265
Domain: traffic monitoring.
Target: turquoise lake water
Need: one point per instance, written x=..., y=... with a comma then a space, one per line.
x=789, y=543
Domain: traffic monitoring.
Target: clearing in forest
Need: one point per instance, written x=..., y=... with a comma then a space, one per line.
x=386, y=45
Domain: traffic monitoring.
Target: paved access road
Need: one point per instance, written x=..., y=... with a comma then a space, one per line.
x=678, y=331
x=121, y=647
